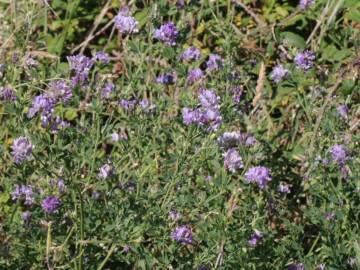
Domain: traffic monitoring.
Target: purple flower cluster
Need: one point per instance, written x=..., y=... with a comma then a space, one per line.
x=125, y=23
x=237, y=92
x=191, y=53
x=107, y=90
x=255, y=238
x=284, y=188
x=59, y=91
x=207, y=114
x=259, y=174
x=105, y=171
x=195, y=75
x=21, y=149
x=304, y=4
x=41, y=103
x=23, y=193
x=102, y=57
x=81, y=65
x=279, y=73
x=167, y=78
x=50, y=204
x=235, y=138
x=7, y=94
x=167, y=33
x=233, y=160
x=131, y=104
x=338, y=153
x=182, y=234
x=296, y=266
x=215, y=62
x=305, y=60
x=343, y=110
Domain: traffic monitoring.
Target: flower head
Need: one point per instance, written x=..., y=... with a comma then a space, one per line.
x=182, y=234
x=26, y=216
x=338, y=153
x=343, y=111
x=208, y=99
x=7, y=94
x=304, y=4
x=81, y=65
x=50, y=204
x=174, y=215
x=232, y=160
x=278, y=73
x=105, y=171
x=107, y=90
x=283, y=188
x=195, y=75
x=60, y=91
x=191, y=53
x=21, y=149
x=166, y=79
x=41, y=103
x=296, y=266
x=305, y=60
x=215, y=62
x=255, y=237
x=102, y=57
x=259, y=174
x=23, y=193
x=125, y=23
x=167, y=33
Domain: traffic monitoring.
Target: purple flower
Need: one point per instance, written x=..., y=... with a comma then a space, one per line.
x=195, y=75
x=338, y=153
x=304, y=4
x=208, y=99
x=343, y=111
x=330, y=216
x=283, y=188
x=102, y=57
x=126, y=249
x=50, y=204
x=237, y=94
x=322, y=266
x=60, y=91
x=174, y=215
x=279, y=73
x=81, y=65
x=167, y=79
x=182, y=234
x=23, y=193
x=7, y=94
x=215, y=62
x=105, y=171
x=125, y=23
x=61, y=186
x=191, y=53
x=207, y=114
x=250, y=141
x=41, y=103
x=30, y=62
x=305, y=60
x=259, y=174
x=232, y=160
x=128, y=105
x=296, y=266
x=26, y=216
x=190, y=116
x=167, y=33
x=107, y=90
x=255, y=237
x=115, y=137
x=230, y=139
x=21, y=149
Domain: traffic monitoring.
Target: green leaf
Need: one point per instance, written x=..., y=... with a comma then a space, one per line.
x=353, y=15
x=294, y=40
x=70, y=114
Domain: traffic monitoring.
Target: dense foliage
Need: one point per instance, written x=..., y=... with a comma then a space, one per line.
x=179, y=134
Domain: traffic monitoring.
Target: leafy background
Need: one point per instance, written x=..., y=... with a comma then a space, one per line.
x=163, y=164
